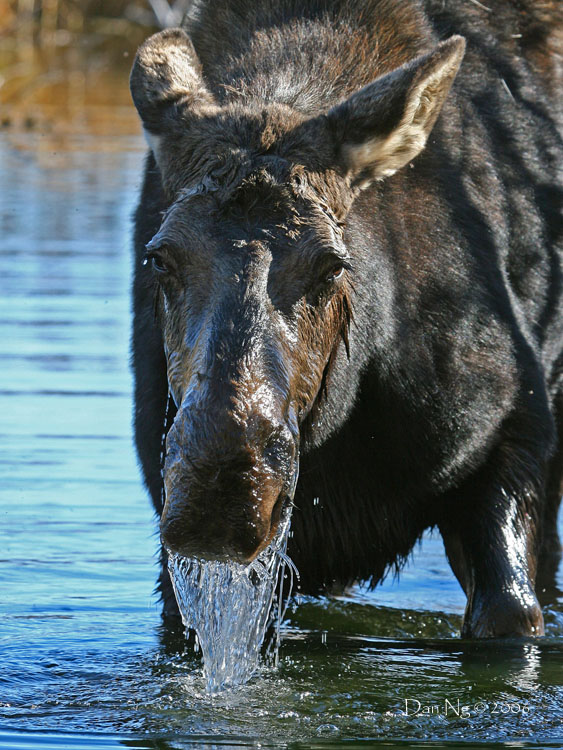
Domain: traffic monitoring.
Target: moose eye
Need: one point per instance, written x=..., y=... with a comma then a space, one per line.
x=336, y=272
x=156, y=260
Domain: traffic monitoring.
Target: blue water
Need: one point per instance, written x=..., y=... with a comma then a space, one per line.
x=85, y=659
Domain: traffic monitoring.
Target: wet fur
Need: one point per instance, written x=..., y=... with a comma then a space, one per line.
x=447, y=410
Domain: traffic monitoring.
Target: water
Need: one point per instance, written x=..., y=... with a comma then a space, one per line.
x=229, y=606
x=86, y=661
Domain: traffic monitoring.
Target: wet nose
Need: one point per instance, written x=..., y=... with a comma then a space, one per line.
x=225, y=492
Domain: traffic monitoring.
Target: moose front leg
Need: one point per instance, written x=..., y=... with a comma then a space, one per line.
x=492, y=549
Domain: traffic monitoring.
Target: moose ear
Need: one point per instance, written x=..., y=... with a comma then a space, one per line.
x=383, y=126
x=166, y=83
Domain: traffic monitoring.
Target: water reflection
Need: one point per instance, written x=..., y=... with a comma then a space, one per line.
x=76, y=84
x=526, y=678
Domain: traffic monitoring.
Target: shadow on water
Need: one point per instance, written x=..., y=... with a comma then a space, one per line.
x=86, y=661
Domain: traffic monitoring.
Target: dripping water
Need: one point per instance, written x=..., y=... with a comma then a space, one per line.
x=231, y=606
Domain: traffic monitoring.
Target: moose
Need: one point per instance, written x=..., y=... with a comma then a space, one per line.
x=348, y=290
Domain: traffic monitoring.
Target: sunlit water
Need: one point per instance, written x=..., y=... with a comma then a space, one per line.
x=230, y=606
x=85, y=659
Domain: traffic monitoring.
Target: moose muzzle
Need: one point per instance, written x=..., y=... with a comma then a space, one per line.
x=227, y=480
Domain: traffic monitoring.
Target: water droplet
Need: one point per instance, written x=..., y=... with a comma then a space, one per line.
x=327, y=729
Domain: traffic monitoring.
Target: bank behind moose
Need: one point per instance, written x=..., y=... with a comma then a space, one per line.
x=349, y=257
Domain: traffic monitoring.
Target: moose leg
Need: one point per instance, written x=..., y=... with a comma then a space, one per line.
x=492, y=551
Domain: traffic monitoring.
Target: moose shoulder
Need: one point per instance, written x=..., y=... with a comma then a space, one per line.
x=349, y=261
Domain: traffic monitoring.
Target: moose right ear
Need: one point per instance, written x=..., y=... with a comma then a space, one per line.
x=166, y=84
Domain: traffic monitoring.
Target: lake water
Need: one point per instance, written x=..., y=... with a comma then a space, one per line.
x=85, y=661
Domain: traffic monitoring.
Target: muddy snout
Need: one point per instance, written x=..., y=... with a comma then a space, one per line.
x=226, y=485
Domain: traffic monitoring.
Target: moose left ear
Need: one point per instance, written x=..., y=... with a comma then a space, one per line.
x=383, y=126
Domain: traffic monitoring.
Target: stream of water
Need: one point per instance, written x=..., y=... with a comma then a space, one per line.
x=230, y=606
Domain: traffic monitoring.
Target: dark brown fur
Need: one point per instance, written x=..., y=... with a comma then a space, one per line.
x=328, y=290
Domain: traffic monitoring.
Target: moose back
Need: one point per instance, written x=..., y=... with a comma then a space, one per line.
x=349, y=266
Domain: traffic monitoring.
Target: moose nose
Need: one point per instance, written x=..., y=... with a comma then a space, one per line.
x=208, y=539
x=225, y=492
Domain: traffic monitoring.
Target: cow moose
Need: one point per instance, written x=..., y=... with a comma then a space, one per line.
x=348, y=263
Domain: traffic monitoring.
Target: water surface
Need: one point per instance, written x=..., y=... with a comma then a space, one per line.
x=85, y=659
